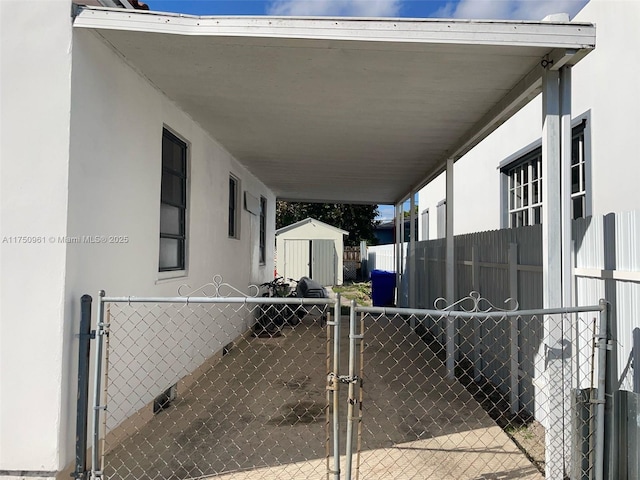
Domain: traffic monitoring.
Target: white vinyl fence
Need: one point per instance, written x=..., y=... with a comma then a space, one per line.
x=507, y=263
x=381, y=257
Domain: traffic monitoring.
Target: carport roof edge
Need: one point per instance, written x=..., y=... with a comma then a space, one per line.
x=411, y=92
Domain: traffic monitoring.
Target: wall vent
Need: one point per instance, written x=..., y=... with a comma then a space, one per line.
x=164, y=400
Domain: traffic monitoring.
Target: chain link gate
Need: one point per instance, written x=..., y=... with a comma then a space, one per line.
x=195, y=387
x=186, y=387
x=524, y=400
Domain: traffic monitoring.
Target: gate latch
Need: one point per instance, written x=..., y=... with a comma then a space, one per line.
x=347, y=379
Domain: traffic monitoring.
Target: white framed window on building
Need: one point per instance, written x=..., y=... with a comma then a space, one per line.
x=424, y=224
x=441, y=212
x=173, y=203
x=522, y=182
x=263, y=230
x=234, y=211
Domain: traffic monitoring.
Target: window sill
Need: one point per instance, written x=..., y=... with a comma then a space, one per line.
x=166, y=277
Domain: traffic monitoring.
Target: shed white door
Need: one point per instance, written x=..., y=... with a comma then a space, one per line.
x=297, y=259
x=316, y=259
x=324, y=260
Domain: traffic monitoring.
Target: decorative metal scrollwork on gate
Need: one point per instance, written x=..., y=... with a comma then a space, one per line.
x=476, y=301
x=217, y=288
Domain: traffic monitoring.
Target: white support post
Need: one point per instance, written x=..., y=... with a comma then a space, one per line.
x=450, y=275
x=565, y=145
x=398, y=249
x=514, y=333
x=412, y=256
x=558, y=385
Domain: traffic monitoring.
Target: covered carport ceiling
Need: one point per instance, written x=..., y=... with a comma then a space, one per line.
x=342, y=110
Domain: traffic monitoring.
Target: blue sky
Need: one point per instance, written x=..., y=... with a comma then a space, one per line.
x=478, y=9
x=497, y=9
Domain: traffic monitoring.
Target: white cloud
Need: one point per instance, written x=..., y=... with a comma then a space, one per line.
x=509, y=9
x=348, y=8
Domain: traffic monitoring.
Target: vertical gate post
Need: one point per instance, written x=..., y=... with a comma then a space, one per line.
x=336, y=386
x=351, y=397
x=82, y=403
x=600, y=392
x=612, y=396
x=96, y=468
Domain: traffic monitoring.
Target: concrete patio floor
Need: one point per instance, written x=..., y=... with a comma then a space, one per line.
x=259, y=413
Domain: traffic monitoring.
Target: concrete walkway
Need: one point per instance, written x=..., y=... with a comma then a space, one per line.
x=260, y=413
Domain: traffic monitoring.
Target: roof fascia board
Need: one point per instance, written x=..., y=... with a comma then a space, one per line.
x=499, y=33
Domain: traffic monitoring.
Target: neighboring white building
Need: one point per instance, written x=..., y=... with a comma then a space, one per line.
x=311, y=248
x=605, y=106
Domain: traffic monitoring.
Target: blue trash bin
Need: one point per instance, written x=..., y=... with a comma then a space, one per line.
x=383, y=286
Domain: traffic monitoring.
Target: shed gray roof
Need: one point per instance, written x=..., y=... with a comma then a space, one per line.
x=309, y=220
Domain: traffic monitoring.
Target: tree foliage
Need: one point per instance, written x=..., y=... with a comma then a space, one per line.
x=359, y=220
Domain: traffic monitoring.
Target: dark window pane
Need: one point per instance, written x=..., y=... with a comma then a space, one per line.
x=233, y=195
x=172, y=189
x=537, y=215
x=536, y=192
x=171, y=219
x=575, y=179
x=525, y=196
x=263, y=230
x=171, y=253
x=578, y=207
x=534, y=169
x=173, y=153
x=575, y=151
x=519, y=219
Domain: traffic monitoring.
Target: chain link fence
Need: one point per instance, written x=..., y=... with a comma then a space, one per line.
x=197, y=389
x=285, y=388
x=511, y=406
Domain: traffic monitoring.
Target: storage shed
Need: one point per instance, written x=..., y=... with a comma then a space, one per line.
x=310, y=248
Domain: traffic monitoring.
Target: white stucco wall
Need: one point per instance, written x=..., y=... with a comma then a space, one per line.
x=81, y=155
x=35, y=93
x=115, y=169
x=604, y=87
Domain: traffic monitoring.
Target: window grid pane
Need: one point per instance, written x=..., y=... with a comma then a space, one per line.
x=263, y=230
x=173, y=203
x=233, y=195
x=525, y=183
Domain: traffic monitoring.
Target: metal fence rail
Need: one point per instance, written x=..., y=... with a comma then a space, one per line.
x=239, y=388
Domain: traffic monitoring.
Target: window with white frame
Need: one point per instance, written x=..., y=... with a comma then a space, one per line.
x=234, y=231
x=173, y=203
x=578, y=172
x=524, y=183
x=424, y=224
x=441, y=212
